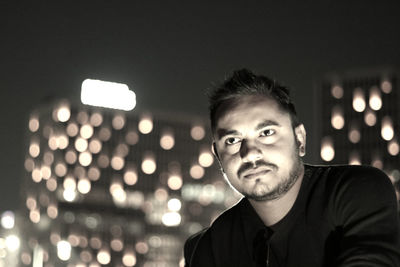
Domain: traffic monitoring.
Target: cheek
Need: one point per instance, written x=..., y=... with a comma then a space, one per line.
x=230, y=162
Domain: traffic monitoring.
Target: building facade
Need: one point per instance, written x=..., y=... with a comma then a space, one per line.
x=110, y=188
x=358, y=117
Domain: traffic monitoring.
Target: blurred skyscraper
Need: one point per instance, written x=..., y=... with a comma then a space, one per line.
x=358, y=117
x=113, y=188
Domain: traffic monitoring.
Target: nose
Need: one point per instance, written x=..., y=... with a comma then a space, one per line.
x=249, y=152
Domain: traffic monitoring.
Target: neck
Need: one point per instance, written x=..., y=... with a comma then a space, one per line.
x=272, y=211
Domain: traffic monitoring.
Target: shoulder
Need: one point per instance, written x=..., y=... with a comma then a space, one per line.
x=201, y=242
x=355, y=177
x=339, y=177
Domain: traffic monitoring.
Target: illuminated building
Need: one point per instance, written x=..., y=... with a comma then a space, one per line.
x=359, y=117
x=117, y=188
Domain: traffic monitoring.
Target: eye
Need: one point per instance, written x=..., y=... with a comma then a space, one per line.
x=232, y=140
x=267, y=132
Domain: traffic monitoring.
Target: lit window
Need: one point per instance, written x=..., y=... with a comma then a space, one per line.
x=34, y=216
x=12, y=242
x=206, y=158
x=51, y=184
x=85, y=158
x=337, y=91
x=149, y=164
x=130, y=176
x=358, y=100
x=370, y=117
x=167, y=140
x=63, y=112
x=117, y=163
x=103, y=161
x=117, y=244
x=393, y=147
x=52, y=211
x=375, y=100
x=95, y=146
x=69, y=183
x=355, y=158
x=64, y=250
x=60, y=169
x=354, y=134
x=118, y=122
x=196, y=171
x=377, y=162
x=104, y=134
x=70, y=157
x=81, y=144
x=387, y=132
x=174, y=204
x=175, y=182
x=82, y=117
x=84, y=186
x=171, y=219
x=132, y=137
x=94, y=173
x=34, y=149
x=197, y=132
x=129, y=258
x=386, y=86
x=63, y=141
x=337, y=119
x=96, y=119
x=72, y=129
x=33, y=123
x=8, y=219
x=327, y=149
x=145, y=124
x=86, y=131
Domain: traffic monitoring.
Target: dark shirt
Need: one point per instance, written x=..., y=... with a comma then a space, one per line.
x=343, y=216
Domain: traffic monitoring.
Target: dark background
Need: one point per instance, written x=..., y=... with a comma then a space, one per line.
x=169, y=52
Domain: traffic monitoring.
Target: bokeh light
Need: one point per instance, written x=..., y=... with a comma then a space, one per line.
x=358, y=100
x=145, y=124
x=387, y=131
x=327, y=149
x=337, y=91
x=337, y=118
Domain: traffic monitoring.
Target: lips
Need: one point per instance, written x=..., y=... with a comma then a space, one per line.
x=254, y=173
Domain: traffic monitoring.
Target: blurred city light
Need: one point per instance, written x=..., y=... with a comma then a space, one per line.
x=337, y=119
x=107, y=94
x=375, y=100
x=386, y=86
x=358, y=100
x=387, y=131
x=171, y=218
x=8, y=219
x=145, y=124
x=63, y=250
x=327, y=149
x=13, y=243
x=337, y=91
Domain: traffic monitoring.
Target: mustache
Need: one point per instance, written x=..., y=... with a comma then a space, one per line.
x=248, y=166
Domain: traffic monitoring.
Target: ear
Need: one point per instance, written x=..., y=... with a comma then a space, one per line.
x=300, y=134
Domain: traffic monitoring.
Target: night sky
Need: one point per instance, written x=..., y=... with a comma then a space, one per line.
x=170, y=52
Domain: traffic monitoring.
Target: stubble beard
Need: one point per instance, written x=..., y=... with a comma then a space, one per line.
x=262, y=192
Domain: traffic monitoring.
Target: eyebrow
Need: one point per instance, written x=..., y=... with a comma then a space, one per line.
x=224, y=132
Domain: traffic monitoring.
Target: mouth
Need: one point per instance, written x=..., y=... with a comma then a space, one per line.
x=255, y=173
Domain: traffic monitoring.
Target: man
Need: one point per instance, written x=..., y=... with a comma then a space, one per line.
x=292, y=214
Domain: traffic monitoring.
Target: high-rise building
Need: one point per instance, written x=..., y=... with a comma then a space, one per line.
x=113, y=188
x=358, y=116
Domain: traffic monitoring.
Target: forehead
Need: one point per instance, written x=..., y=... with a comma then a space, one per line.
x=248, y=110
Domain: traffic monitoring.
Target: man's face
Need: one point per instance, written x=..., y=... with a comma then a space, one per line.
x=257, y=147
